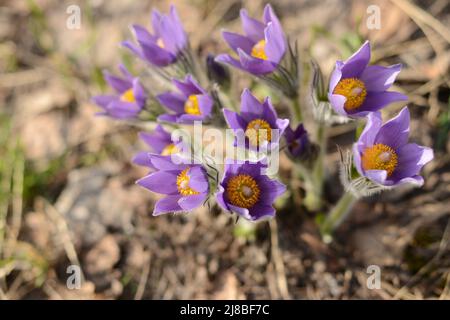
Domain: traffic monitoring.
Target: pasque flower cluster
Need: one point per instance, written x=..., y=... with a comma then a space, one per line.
x=357, y=91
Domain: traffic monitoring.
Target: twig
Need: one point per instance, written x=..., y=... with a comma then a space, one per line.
x=277, y=259
x=143, y=280
x=417, y=14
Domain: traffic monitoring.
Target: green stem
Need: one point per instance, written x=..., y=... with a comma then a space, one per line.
x=297, y=109
x=336, y=216
x=313, y=198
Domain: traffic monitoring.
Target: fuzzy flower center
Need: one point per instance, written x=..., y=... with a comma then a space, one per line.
x=128, y=96
x=258, y=131
x=258, y=50
x=169, y=149
x=191, y=105
x=183, y=184
x=243, y=191
x=379, y=157
x=353, y=90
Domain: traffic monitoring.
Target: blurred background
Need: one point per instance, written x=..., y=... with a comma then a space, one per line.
x=67, y=192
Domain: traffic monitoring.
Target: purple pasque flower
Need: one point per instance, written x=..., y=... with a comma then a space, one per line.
x=185, y=185
x=191, y=103
x=127, y=101
x=297, y=140
x=160, y=142
x=258, y=121
x=262, y=47
x=383, y=154
x=247, y=191
x=357, y=88
x=165, y=44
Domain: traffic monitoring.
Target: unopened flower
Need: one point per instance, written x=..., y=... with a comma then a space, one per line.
x=217, y=72
x=262, y=47
x=258, y=121
x=383, y=154
x=247, y=191
x=186, y=186
x=165, y=44
x=357, y=88
x=191, y=103
x=127, y=101
x=159, y=141
x=297, y=140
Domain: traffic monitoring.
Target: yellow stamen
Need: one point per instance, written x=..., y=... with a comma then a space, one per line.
x=242, y=191
x=258, y=131
x=169, y=149
x=183, y=184
x=160, y=43
x=354, y=90
x=191, y=105
x=258, y=50
x=379, y=157
x=128, y=96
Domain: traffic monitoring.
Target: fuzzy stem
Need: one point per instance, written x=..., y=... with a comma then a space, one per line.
x=313, y=198
x=297, y=109
x=337, y=215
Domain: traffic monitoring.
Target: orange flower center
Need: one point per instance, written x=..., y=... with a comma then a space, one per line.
x=183, y=184
x=258, y=50
x=191, y=105
x=243, y=191
x=379, y=157
x=128, y=96
x=169, y=149
x=258, y=131
x=353, y=90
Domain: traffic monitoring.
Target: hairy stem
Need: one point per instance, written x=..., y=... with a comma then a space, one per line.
x=337, y=215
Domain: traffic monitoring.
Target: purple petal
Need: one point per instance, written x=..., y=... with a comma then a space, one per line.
x=377, y=176
x=119, y=84
x=167, y=204
x=205, y=104
x=165, y=163
x=251, y=108
x=180, y=34
x=134, y=49
x=189, y=86
x=367, y=137
x=411, y=159
x=236, y=41
x=357, y=158
x=191, y=202
x=142, y=159
x=336, y=76
x=103, y=100
x=234, y=120
x=261, y=211
x=173, y=101
x=252, y=28
x=123, y=110
x=125, y=72
x=356, y=64
x=378, y=78
x=164, y=182
x=142, y=35
x=377, y=100
x=139, y=93
x=171, y=118
x=337, y=103
x=198, y=180
x=157, y=55
x=395, y=132
x=253, y=65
